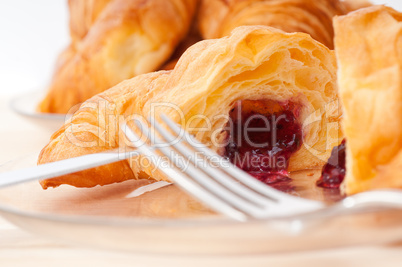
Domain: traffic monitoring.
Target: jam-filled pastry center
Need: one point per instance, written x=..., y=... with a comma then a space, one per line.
x=262, y=136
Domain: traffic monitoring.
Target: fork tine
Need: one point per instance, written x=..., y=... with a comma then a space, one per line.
x=235, y=172
x=195, y=174
x=287, y=204
x=216, y=173
x=182, y=180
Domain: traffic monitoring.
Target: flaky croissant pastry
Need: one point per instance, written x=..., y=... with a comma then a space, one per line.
x=353, y=5
x=113, y=41
x=83, y=14
x=257, y=70
x=219, y=17
x=369, y=51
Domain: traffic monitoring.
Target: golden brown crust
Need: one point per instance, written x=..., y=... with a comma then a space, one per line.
x=369, y=52
x=353, y=5
x=129, y=37
x=219, y=17
x=255, y=62
x=93, y=129
x=113, y=40
x=192, y=37
x=83, y=14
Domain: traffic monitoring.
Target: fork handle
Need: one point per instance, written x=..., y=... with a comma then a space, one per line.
x=371, y=201
x=62, y=167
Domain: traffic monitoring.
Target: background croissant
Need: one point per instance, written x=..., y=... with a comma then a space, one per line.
x=113, y=40
x=83, y=14
x=219, y=17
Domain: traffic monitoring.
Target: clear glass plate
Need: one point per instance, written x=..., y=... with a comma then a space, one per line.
x=27, y=103
x=167, y=220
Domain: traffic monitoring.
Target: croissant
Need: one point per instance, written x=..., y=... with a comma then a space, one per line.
x=353, y=5
x=216, y=85
x=369, y=52
x=118, y=40
x=104, y=50
x=83, y=14
x=219, y=17
x=192, y=37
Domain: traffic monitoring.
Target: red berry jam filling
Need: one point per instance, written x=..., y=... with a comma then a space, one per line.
x=334, y=171
x=262, y=136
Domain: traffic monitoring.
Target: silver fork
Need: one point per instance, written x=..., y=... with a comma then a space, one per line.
x=224, y=188
x=230, y=191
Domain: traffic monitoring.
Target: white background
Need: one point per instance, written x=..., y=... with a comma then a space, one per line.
x=32, y=33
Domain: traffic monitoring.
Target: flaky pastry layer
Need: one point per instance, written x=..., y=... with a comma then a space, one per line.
x=369, y=53
x=219, y=17
x=113, y=41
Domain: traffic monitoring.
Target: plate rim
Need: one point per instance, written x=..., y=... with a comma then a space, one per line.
x=13, y=104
